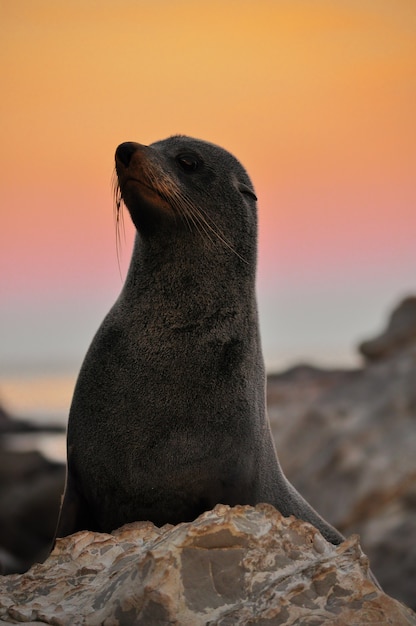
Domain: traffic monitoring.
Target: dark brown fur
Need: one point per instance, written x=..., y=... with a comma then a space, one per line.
x=168, y=416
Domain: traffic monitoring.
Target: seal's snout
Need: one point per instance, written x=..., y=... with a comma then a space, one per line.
x=125, y=151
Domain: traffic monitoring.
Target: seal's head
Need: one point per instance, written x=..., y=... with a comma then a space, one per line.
x=188, y=185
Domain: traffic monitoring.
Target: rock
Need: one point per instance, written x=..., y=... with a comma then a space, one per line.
x=231, y=566
x=30, y=495
x=400, y=332
x=347, y=441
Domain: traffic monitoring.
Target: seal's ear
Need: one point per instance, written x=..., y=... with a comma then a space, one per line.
x=246, y=190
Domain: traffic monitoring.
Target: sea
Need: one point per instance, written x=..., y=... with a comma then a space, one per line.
x=42, y=400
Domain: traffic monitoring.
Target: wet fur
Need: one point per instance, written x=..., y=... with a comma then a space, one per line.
x=168, y=416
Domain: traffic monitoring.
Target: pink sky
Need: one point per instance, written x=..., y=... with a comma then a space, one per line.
x=316, y=99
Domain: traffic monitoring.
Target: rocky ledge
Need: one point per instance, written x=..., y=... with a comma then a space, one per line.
x=347, y=441
x=230, y=566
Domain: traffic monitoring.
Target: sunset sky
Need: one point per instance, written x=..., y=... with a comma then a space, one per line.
x=316, y=98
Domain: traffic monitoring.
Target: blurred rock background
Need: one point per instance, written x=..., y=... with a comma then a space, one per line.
x=345, y=438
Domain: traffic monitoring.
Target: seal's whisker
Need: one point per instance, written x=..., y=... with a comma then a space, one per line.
x=189, y=220
x=215, y=230
x=187, y=209
x=118, y=220
x=169, y=193
x=185, y=205
x=182, y=205
x=201, y=226
x=189, y=214
x=203, y=219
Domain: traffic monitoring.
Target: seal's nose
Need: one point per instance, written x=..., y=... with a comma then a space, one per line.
x=125, y=151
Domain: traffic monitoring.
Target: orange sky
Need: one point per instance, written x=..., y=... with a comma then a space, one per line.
x=317, y=99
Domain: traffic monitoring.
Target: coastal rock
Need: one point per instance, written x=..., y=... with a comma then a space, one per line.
x=400, y=332
x=238, y=565
x=347, y=441
x=30, y=495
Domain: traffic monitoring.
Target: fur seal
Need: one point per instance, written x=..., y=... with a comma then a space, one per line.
x=168, y=417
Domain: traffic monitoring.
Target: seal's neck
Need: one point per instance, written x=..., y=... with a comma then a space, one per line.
x=181, y=269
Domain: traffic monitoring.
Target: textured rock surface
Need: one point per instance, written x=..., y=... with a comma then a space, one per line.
x=347, y=441
x=230, y=566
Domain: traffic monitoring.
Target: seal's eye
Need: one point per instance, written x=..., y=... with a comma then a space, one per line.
x=188, y=162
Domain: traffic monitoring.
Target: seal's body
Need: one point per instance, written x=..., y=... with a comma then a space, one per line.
x=168, y=417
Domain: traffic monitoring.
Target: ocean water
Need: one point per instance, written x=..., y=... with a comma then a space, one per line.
x=41, y=399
